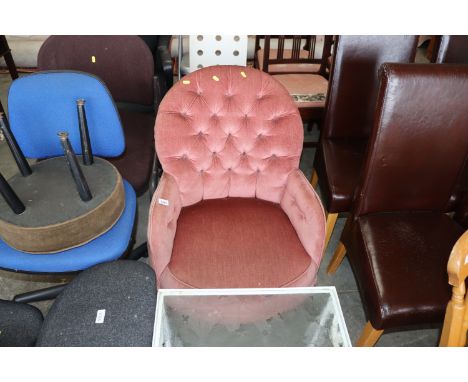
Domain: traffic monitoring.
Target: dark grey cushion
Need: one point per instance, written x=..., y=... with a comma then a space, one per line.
x=125, y=289
x=19, y=324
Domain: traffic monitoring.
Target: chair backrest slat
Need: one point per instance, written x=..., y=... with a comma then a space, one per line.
x=280, y=48
x=290, y=50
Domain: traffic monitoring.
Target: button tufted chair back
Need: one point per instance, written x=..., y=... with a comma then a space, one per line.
x=228, y=131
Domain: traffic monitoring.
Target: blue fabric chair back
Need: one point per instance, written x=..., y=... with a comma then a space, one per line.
x=43, y=104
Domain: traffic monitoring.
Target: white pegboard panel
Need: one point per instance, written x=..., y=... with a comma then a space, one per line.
x=209, y=50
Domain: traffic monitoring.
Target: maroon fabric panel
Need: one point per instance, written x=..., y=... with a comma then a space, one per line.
x=124, y=63
x=135, y=163
x=236, y=242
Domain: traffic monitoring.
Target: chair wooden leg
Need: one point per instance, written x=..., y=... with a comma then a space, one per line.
x=314, y=179
x=331, y=221
x=369, y=336
x=337, y=258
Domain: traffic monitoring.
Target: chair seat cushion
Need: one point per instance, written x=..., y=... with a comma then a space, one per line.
x=400, y=261
x=19, y=324
x=339, y=164
x=287, y=68
x=237, y=243
x=124, y=289
x=109, y=246
x=135, y=163
x=307, y=90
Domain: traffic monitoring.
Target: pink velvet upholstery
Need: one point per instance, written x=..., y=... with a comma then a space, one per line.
x=231, y=132
x=264, y=250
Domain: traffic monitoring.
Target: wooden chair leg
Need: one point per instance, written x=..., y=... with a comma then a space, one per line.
x=331, y=221
x=314, y=180
x=369, y=336
x=337, y=258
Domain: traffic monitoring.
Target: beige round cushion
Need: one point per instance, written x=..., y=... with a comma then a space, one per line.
x=55, y=218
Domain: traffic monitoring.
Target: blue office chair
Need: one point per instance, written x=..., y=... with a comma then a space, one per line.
x=39, y=106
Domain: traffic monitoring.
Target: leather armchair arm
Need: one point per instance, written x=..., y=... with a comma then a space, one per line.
x=305, y=211
x=164, y=212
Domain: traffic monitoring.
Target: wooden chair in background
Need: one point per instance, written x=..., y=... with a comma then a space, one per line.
x=299, y=63
x=456, y=316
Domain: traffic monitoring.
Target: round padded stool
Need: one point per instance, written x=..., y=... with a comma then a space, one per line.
x=19, y=324
x=56, y=219
x=110, y=304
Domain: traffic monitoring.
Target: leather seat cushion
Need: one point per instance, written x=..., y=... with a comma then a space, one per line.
x=311, y=89
x=339, y=164
x=287, y=68
x=400, y=261
x=135, y=163
x=237, y=243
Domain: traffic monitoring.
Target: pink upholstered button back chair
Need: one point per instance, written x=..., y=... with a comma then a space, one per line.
x=232, y=209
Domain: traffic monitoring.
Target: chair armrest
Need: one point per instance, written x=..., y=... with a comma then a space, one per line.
x=457, y=266
x=162, y=223
x=305, y=211
x=454, y=330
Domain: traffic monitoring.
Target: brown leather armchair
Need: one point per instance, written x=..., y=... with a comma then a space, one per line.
x=350, y=107
x=399, y=238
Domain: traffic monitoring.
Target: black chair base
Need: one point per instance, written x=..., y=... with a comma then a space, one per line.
x=40, y=295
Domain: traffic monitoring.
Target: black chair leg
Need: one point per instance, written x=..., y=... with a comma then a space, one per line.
x=40, y=295
x=11, y=66
x=138, y=252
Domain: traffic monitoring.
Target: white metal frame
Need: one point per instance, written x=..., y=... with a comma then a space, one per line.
x=162, y=293
x=209, y=50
